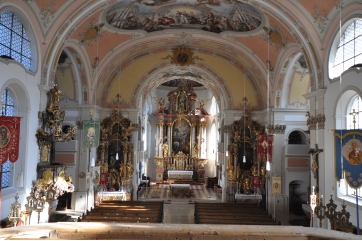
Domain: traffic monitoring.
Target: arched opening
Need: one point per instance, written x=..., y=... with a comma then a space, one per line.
x=297, y=197
x=296, y=137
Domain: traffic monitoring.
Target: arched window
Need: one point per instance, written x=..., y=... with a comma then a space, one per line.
x=349, y=50
x=354, y=121
x=14, y=42
x=6, y=169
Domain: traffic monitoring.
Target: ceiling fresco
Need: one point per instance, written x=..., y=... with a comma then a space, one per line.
x=262, y=37
x=209, y=15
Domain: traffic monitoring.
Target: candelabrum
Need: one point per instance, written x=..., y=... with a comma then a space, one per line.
x=31, y=201
x=15, y=213
x=39, y=205
x=321, y=211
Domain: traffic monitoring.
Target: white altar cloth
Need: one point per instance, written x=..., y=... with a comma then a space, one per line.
x=248, y=197
x=179, y=174
x=252, y=198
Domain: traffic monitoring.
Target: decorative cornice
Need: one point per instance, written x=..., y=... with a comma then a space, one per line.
x=276, y=129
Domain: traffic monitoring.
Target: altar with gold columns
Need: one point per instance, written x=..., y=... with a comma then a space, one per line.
x=180, y=135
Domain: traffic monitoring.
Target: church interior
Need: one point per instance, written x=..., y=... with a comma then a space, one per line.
x=238, y=112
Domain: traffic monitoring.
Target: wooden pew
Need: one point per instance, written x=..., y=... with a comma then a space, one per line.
x=130, y=211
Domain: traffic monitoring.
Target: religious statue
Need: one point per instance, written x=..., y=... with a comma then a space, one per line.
x=263, y=170
x=195, y=151
x=121, y=170
x=254, y=170
x=238, y=172
x=202, y=103
x=129, y=170
x=55, y=97
x=230, y=172
x=165, y=149
x=246, y=185
x=161, y=104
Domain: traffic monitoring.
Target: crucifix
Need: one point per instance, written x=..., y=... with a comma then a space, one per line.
x=315, y=151
x=354, y=113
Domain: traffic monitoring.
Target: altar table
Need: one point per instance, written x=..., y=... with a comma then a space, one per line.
x=251, y=198
x=177, y=174
x=179, y=189
x=122, y=196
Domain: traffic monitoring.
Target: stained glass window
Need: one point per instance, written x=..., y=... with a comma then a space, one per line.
x=6, y=169
x=14, y=42
x=349, y=50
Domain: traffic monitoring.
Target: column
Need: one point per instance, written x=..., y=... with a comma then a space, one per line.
x=157, y=138
x=161, y=139
x=169, y=143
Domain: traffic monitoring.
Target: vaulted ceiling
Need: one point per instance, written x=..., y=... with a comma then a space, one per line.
x=101, y=48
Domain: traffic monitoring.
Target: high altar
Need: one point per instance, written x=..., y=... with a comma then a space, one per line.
x=181, y=137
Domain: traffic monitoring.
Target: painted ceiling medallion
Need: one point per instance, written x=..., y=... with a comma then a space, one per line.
x=182, y=56
x=91, y=33
x=209, y=15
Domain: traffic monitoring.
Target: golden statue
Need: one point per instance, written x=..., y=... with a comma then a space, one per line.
x=121, y=170
x=246, y=184
x=230, y=172
x=238, y=172
x=195, y=151
x=55, y=95
x=263, y=170
x=165, y=149
x=254, y=170
x=129, y=170
x=202, y=103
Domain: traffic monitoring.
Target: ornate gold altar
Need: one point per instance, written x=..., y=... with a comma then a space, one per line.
x=181, y=135
x=241, y=171
x=52, y=180
x=115, y=154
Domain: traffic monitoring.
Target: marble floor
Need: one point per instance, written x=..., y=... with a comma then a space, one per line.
x=179, y=209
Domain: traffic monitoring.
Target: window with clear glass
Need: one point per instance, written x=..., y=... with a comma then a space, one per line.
x=349, y=50
x=8, y=109
x=354, y=121
x=14, y=42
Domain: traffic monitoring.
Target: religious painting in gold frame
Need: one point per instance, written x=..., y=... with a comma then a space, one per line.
x=181, y=136
x=276, y=185
x=44, y=152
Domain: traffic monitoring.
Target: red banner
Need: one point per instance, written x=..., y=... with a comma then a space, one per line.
x=255, y=182
x=265, y=147
x=9, y=138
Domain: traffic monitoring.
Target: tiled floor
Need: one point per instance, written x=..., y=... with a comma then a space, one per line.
x=180, y=209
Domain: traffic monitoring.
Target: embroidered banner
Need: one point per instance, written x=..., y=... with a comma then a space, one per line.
x=9, y=138
x=348, y=156
x=96, y=175
x=265, y=146
x=276, y=185
x=255, y=182
x=90, y=133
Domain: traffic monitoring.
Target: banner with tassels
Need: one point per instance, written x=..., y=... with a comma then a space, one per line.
x=348, y=156
x=9, y=138
x=265, y=146
x=91, y=133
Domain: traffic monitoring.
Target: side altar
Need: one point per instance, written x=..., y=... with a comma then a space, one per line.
x=181, y=136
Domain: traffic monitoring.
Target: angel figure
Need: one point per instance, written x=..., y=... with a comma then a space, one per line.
x=202, y=103
x=161, y=103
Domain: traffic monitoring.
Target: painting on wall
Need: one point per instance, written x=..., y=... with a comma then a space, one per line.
x=209, y=15
x=181, y=136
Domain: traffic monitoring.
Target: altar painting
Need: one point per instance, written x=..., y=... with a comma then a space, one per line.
x=181, y=137
x=208, y=15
